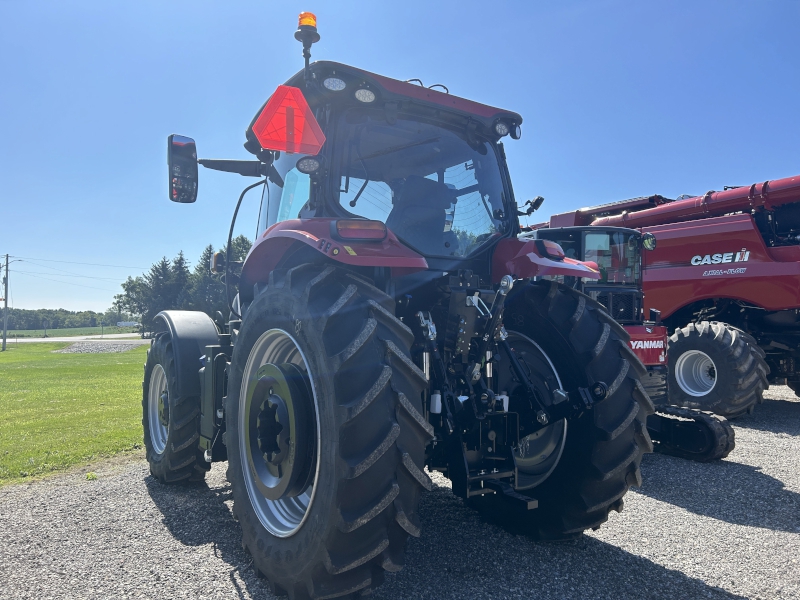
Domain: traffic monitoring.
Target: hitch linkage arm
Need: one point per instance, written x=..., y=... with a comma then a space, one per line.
x=565, y=404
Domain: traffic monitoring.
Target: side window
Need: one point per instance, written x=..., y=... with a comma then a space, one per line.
x=371, y=201
x=296, y=187
x=284, y=200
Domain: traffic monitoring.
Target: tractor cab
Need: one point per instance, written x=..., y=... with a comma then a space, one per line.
x=425, y=164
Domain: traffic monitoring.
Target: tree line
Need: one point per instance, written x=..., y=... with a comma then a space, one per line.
x=171, y=284
x=20, y=318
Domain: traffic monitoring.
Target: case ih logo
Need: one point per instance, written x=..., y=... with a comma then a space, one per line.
x=645, y=344
x=714, y=259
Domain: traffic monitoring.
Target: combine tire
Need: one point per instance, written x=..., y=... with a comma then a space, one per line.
x=716, y=367
x=325, y=433
x=170, y=421
x=604, y=447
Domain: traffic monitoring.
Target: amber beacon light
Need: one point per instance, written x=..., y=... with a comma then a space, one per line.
x=307, y=29
x=307, y=34
x=308, y=19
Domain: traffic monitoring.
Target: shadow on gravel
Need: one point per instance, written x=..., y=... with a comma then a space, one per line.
x=196, y=515
x=458, y=556
x=724, y=490
x=461, y=556
x=776, y=416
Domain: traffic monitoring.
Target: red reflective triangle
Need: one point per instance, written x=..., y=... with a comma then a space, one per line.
x=287, y=124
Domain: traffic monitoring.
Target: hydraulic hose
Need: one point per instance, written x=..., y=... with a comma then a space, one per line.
x=228, y=247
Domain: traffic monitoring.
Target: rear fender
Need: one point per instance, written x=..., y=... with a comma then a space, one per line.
x=279, y=239
x=521, y=259
x=191, y=332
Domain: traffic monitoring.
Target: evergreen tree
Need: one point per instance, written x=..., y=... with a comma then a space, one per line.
x=171, y=285
x=207, y=290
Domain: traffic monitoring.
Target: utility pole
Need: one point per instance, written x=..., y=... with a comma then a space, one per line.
x=5, y=306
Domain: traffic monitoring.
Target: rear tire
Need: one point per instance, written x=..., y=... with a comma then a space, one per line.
x=716, y=367
x=351, y=523
x=604, y=446
x=171, y=422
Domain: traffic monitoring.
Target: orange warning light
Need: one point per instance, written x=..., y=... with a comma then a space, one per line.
x=288, y=125
x=308, y=19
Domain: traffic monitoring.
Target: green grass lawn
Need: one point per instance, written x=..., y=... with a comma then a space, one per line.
x=60, y=410
x=68, y=332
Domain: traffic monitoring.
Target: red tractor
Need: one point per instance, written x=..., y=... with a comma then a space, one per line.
x=384, y=322
x=616, y=252
x=726, y=278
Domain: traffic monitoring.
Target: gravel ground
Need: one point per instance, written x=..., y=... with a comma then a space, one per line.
x=96, y=347
x=724, y=530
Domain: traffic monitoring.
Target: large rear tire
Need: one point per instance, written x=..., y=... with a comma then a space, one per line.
x=170, y=421
x=604, y=446
x=716, y=367
x=347, y=521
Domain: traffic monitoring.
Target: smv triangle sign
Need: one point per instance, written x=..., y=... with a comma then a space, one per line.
x=288, y=125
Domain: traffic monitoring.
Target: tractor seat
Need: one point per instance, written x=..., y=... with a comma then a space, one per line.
x=418, y=216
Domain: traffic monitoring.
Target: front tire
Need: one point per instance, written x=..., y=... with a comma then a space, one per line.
x=604, y=446
x=170, y=421
x=347, y=521
x=714, y=367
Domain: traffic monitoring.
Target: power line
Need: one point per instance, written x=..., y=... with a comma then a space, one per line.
x=65, y=282
x=72, y=262
x=68, y=274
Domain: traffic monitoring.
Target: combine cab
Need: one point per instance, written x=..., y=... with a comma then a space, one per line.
x=386, y=321
x=616, y=253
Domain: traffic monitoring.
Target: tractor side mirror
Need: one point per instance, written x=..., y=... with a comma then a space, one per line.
x=182, y=161
x=649, y=241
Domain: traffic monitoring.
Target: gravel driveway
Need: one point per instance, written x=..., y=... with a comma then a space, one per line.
x=725, y=530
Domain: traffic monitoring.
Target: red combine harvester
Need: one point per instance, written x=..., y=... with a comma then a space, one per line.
x=387, y=320
x=617, y=253
x=726, y=278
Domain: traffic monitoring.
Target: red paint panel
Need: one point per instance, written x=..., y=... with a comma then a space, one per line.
x=769, y=278
x=649, y=343
x=268, y=250
x=521, y=259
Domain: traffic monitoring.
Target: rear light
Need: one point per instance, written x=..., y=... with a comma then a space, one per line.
x=360, y=229
x=309, y=165
x=501, y=128
x=334, y=84
x=550, y=249
x=365, y=95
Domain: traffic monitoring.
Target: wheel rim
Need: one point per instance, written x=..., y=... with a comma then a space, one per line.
x=158, y=409
x=279, y=433
x=540, y=452
x=695, y=373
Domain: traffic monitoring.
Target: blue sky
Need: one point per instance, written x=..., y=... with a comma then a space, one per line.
x=620, y=99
